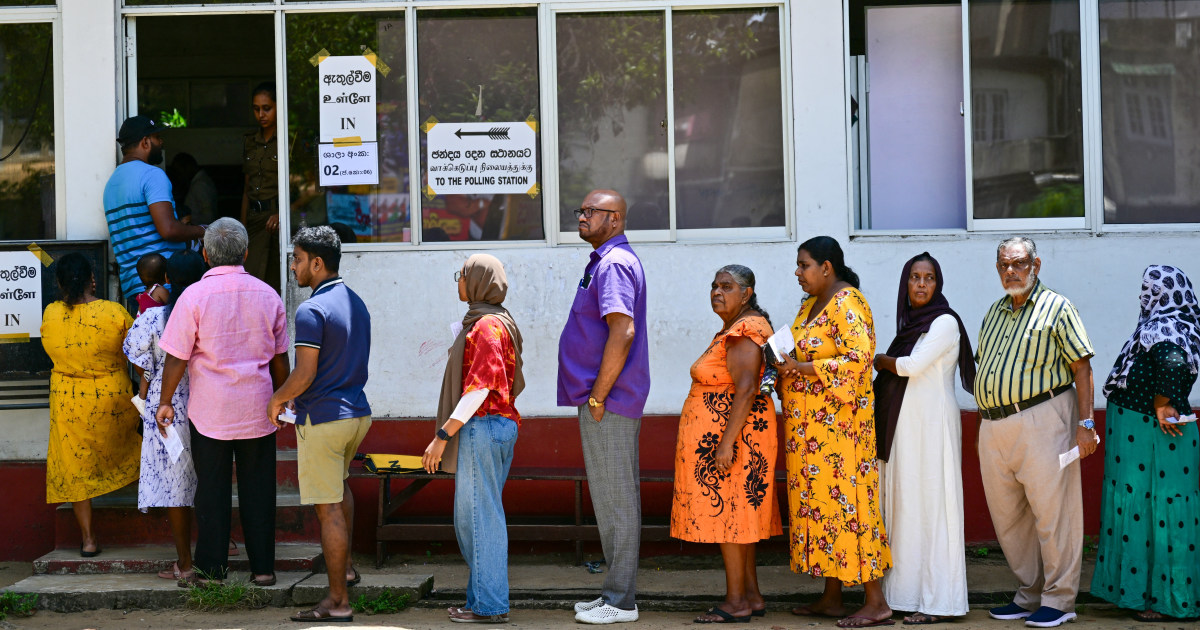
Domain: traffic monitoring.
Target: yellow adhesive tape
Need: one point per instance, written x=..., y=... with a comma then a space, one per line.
x=429, y=124
x=429, y=194
x=533, y=192
x=321, y=55
x=348, y=141
x=532, y=122
x=382, y=67
x=41, y=254
x=14, y=338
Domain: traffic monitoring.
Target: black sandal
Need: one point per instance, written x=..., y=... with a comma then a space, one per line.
x=725, y=617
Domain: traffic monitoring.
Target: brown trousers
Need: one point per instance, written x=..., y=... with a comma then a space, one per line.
x=1036, y=508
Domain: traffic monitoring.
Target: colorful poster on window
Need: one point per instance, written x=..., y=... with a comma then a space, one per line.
x=481, y=158
x=20, y=296
x=349, y=142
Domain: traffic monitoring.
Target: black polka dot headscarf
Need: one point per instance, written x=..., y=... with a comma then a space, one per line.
x=1169, y=313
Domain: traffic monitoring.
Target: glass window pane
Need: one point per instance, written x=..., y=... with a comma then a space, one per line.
x=612, y=113
x=495, y=79
x=378, y=213
x=1150, y=99
x=147, y=3
x=728, y=119
x=1026, y=107
x=26, y=132
x=27, y=3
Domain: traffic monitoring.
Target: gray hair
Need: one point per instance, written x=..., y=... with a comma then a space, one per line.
x=225, y=242
x=744, y=277
x=1023, y=241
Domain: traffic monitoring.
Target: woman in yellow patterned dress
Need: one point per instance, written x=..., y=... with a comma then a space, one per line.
x=94, y=446
x=829, y=439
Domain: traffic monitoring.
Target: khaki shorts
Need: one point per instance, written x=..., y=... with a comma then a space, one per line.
x=323, y=455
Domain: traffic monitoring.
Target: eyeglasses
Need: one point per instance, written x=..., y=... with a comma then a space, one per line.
x=458, y=275
x=587, y=213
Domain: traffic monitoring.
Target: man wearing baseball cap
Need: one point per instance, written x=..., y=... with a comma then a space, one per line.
x=139, y=205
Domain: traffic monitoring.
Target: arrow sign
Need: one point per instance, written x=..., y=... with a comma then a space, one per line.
x=495, y=133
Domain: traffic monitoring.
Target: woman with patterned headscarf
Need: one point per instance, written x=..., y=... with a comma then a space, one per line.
x=1150, y=512
x=478, y=428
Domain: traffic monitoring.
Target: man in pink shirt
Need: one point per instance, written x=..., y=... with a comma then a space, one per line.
x=229, y=331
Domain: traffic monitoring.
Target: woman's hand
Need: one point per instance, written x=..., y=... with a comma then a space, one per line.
x=1164, y=411
x=790, y=367
x=164, y=417
x=433, y=455
x=884, y=362
x=723, y=457
x=273, y=222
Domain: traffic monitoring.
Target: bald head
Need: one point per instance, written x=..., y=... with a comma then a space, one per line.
x=606, y=199
x=605, y=216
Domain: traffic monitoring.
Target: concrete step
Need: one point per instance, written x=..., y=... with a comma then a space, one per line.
x=116, y=520
x=289, y=557
x=74, y=593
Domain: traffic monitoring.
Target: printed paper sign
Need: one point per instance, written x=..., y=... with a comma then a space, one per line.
x=347, y=166
x=346, y=93
x=20, y=296
x=481, y=158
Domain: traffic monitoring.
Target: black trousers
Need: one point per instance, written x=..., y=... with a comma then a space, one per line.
x=256, y=501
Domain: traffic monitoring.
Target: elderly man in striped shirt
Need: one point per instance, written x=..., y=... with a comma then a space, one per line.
x=1032, y=351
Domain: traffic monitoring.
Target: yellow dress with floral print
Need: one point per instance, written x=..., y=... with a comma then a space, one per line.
x=836, y=527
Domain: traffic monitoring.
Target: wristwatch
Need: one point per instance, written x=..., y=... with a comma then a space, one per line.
x=1088, y=424
x=592, y=402
x=442, y=435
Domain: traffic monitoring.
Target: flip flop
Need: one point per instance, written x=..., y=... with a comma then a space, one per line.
x=805, y=611
x=872, y=623
x=1142, y=617
x=725, y=617
x=761, y=612
x=320, y=615
x=265, y=582
x=470, y=617
x=923, y=619
x=355, y=580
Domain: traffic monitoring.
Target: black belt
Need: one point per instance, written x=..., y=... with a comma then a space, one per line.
x=267, y=205
x=1004, y=411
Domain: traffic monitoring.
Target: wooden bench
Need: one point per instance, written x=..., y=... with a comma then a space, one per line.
x=392, y=525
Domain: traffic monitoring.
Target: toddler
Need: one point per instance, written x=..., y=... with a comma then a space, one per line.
x=152, y=269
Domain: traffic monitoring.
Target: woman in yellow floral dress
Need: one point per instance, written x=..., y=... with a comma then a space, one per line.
x=94, y=446
x=829, y=439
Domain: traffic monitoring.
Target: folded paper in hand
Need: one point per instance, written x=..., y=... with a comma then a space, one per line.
x=1065, y=459
x=781, y=343
x=1182, y=419
x=172, y=442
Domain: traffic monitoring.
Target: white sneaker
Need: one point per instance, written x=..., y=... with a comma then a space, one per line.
x=586, y=606
x=607, y=614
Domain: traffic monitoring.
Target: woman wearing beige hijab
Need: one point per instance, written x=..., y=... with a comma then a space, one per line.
x=479, y=423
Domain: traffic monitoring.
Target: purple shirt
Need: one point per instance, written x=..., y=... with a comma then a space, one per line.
x=613, y=282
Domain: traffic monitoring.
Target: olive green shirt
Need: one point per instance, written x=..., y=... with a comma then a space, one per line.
x=260, y=163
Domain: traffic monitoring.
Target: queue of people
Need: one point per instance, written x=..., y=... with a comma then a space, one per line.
x=213, y=359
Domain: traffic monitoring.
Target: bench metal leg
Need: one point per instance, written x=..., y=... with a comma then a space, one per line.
x=578, y=520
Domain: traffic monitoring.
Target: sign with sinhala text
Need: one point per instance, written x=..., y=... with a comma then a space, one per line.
x=348, y=143
x=20, y=296
x=482, y=158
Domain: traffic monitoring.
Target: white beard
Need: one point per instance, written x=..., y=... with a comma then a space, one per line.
x=1023, y=289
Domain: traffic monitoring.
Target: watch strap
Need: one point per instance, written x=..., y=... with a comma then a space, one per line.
x=442, y=435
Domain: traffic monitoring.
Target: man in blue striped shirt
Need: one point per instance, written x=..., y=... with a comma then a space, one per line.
x=139, y=206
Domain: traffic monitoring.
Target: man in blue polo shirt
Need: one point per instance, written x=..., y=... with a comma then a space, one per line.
x=139, y=206
x=333, y=346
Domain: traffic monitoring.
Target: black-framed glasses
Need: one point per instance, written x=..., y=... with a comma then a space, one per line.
x=587, y=213
x=458, y=275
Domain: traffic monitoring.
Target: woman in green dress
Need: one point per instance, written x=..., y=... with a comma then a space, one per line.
x=1150, y=511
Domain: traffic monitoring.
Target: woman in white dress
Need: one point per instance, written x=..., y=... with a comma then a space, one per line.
x=165, y=483
x=919, y=434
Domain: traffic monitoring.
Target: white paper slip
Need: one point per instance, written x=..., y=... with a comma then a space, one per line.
x=139, y=404
x=173, y=443
x=288, y=416
x=782, y=342
x=1065, y=459
x=1182, y=419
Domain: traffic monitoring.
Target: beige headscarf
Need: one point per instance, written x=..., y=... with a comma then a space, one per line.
x=486, y=287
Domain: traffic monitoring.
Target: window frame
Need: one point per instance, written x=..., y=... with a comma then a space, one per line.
x=50, y=14
x=547, y=12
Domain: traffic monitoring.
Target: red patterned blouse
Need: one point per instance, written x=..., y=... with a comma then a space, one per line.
x=490, y=361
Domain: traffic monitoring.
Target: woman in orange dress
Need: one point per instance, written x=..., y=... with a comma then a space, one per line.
x=725, y=454
x=829, y=439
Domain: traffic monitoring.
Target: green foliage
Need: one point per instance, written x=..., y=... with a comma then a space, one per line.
x=172, y=119
x=17, y=604
x=385, y=603
x=981, y=552
x=229, y=595
x=1063, y=200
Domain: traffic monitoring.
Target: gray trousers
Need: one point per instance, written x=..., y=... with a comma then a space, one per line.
x=610, y=456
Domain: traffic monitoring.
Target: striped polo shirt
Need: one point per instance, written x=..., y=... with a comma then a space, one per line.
x=127, y=198
x=1029, y=351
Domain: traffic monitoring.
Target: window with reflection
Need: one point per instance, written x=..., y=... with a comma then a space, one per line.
x=1150, y=98
x=27, y=202
x=612, y=113
x=494, y=79
x=1027, y=151
x=372, y=213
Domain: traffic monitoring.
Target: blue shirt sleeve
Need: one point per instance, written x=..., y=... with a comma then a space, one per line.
x=310, y=326
x=156, y=187
x=616, y=289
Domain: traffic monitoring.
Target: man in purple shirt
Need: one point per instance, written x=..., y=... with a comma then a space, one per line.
x=604, y=370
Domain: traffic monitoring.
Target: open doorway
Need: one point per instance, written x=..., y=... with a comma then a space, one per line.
x=203, y=76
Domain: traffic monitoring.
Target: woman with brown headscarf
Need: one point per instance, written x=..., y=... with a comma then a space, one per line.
x=478, y=429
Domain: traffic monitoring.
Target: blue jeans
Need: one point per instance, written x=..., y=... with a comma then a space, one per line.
x=485, y=451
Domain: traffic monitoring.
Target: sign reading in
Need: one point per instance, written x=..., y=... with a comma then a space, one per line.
x=349, y=141
x=482, y=158
x=20, y=295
